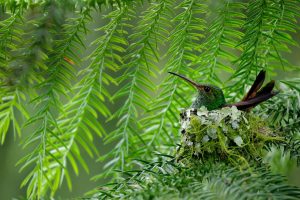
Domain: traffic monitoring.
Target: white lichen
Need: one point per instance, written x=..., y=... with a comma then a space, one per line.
x=223, y=132
x=238, y=141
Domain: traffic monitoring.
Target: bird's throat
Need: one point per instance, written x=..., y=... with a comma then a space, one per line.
x=210, y=104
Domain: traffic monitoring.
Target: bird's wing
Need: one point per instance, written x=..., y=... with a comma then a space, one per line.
x=256, y=85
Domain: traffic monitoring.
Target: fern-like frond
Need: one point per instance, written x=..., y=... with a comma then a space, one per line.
x=38, y=43
x=137, y=85
x=41, y=43
x=168, y=180
x=162, y=122
x=267, y=33
x=50, y=142
x=79, y=119
x=102, y=3
x=24, y=57
x=220, y=46
x=280, y=160
x=11, y=95
x=283, y=113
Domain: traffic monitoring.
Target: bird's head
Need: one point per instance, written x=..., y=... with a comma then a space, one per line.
x=210, y=96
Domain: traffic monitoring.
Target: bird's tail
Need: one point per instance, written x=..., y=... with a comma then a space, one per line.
x=256, y=94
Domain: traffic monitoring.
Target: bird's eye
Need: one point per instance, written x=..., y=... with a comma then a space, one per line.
x=206, y=88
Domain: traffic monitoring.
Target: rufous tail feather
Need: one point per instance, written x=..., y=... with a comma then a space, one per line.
x=256, y=95
x=255, y=86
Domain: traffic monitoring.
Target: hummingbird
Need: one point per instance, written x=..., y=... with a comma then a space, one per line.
x=212, y=97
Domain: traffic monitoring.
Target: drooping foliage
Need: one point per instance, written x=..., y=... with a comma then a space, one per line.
x=165, y=179
x=65, y=89
x=267, y=35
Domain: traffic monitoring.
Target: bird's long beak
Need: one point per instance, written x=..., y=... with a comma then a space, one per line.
x=197, y=85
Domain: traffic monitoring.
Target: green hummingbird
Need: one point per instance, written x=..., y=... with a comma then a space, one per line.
x=212, y=97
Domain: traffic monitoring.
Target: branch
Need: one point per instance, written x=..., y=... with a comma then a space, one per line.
x=44, y=157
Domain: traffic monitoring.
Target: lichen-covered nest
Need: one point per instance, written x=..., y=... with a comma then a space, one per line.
x=226, y=134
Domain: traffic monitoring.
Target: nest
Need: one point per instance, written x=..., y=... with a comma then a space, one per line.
x=225, y=134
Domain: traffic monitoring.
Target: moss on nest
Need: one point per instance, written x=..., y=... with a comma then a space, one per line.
x=225, y=134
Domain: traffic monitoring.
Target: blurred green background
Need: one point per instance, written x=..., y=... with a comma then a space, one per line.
x=12, y=151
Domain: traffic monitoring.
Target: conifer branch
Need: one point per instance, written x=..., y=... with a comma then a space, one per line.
x=184, y=41
x=80, y=114
x=283, y=114
x=221, y=44
x=168, y=180
x=140, y=66
x=265, y=36
x=11, y=96
x=48, y=167
x=40, y=47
